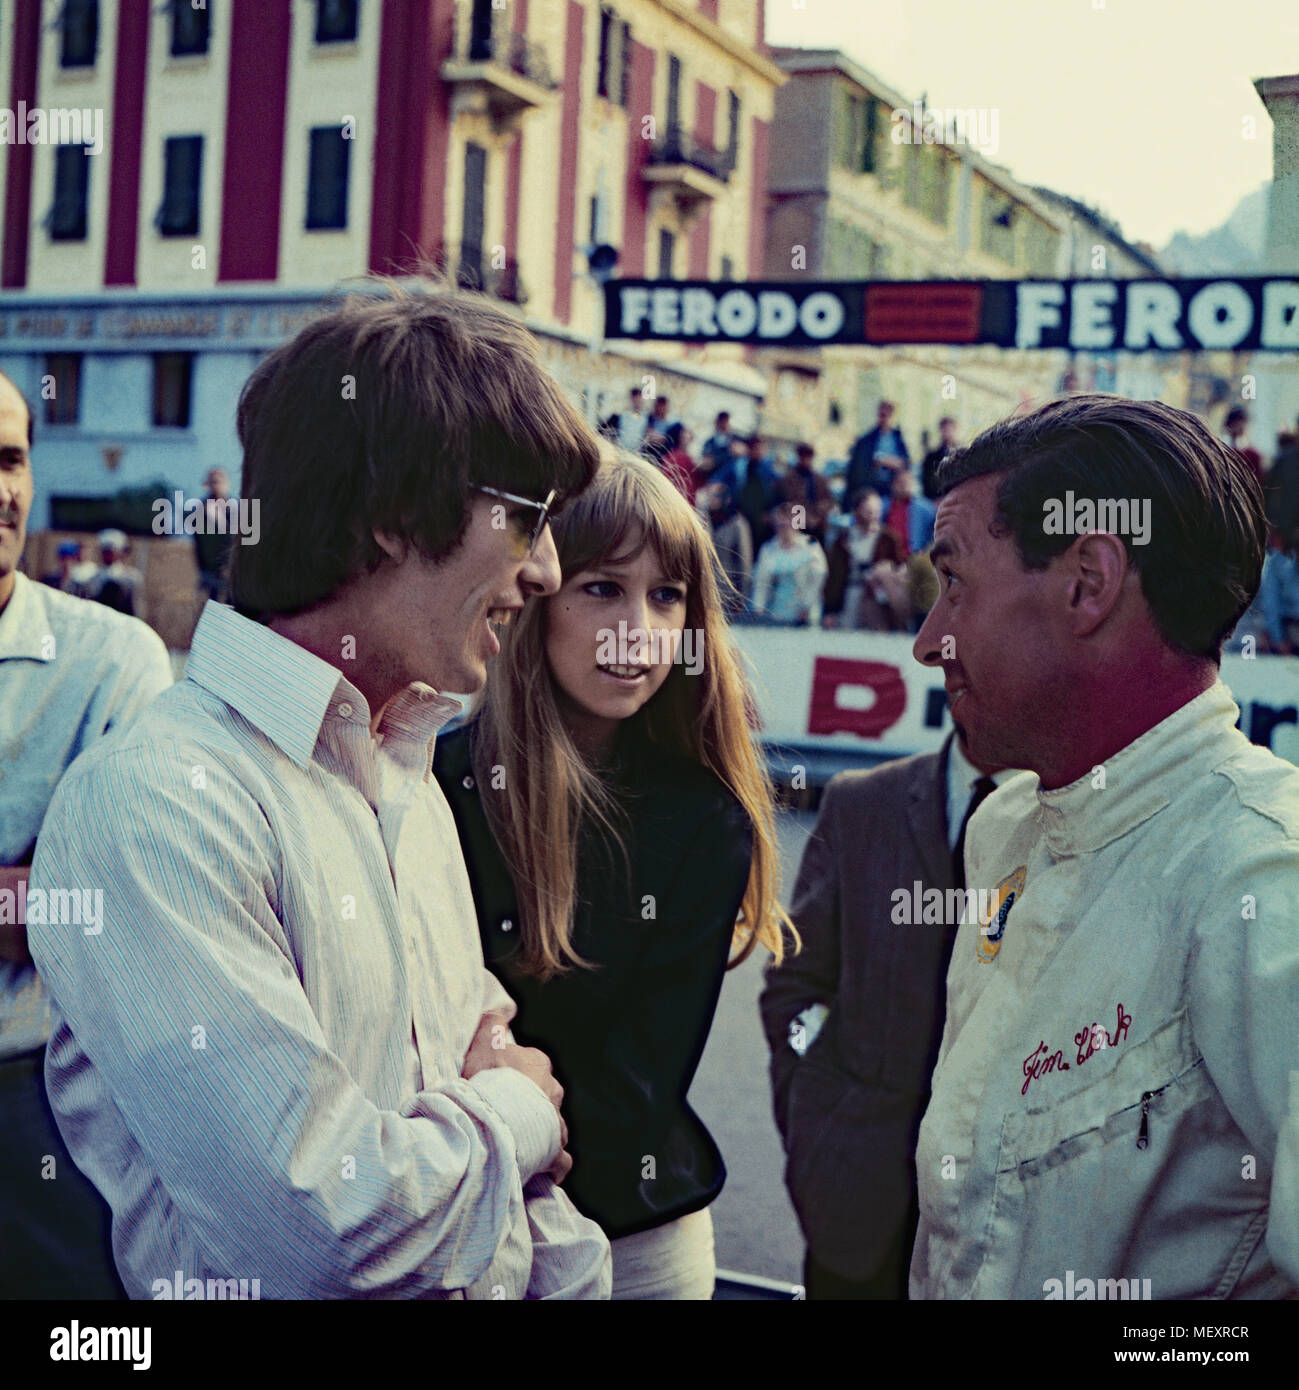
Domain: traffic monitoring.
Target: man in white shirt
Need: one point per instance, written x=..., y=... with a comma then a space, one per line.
x=1114, y=1110
x=70, y=671
x=283, y=1058
x=633, y=422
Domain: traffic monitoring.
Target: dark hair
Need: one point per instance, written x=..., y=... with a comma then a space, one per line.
x=1202, y=565
x=804, y=450
x=380, y=415
x=1237, y=412
x=673, y=434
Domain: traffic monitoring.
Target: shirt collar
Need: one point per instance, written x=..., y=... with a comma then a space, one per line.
x=962, y=776
x=25, y=623
x=286, y=691
x=1140, y=779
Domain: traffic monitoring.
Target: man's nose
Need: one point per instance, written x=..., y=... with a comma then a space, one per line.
x=927, y=648
x=541, y=572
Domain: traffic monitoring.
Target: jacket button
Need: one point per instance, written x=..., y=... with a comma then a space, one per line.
x=467, y=783
x=345, y=710
x=506, y=924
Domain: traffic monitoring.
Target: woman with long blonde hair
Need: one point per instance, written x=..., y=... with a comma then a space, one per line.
x=618, y=827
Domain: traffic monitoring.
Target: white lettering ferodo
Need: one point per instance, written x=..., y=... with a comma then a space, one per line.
x=1218, y=315
x=676, y=311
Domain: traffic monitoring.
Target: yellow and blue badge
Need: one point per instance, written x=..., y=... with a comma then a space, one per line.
x=992, y=921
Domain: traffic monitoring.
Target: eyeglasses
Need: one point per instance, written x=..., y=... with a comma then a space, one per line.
x=542, y=508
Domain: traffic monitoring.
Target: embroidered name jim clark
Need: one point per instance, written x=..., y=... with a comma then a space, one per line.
x=1088, y=1041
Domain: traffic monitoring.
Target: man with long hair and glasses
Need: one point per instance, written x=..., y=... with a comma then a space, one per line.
x=283, y=1056
x=1115, y=1098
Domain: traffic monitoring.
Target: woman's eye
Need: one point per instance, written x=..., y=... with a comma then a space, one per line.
x=669, y=595
x=601, y=588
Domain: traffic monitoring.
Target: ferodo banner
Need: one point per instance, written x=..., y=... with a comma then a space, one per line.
x=1255, y=313
x=857, y=697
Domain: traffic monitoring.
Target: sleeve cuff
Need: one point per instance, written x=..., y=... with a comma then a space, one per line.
x=531, y=1118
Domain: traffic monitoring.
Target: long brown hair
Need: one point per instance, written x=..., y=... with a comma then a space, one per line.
x=550, y=788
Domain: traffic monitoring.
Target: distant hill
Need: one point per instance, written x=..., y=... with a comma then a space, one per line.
x=1235, y=248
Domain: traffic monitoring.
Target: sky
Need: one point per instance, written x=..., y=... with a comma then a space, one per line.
x=1137, y=107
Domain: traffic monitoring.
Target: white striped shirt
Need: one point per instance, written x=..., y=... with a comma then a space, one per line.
x=70, y=670
x=257, y=1061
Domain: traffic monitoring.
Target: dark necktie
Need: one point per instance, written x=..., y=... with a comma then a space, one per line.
x=983, y=788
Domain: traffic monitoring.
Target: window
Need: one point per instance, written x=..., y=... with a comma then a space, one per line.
x=335, y=21
x=608, y=28
x=611, y=70
x=62, y=404
x=851, y=132
x=732, y=130
x=849, y=251
x=327, y=179
x=674, y=96
x=172, y=376
x=190, y=28
x=727, y=269
x=471, y=224
x=79, y=33
x=928, y=181
x=71, y=185
x=624, y=64
x=667, y=250
x=1043, y=245
x=480, y=32
x=872, y=136
x=997, y=225
x=182, y=164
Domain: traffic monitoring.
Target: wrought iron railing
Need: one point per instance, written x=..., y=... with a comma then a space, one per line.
x=471, y=268
x=511, y=51
x=676, y=147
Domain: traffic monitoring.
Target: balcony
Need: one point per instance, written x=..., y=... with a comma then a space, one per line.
x=500, y=75
x=690, y=174
x=471, y=269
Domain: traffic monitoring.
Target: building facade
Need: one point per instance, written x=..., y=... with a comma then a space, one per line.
x=866, y=184
x=192, y=182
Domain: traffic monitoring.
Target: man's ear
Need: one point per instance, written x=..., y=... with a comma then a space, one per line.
x=1100, y=569
x=392, y=546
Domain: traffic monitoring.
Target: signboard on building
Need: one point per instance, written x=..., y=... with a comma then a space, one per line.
x=851, y=698
x=141, y=323
x=1255, y=313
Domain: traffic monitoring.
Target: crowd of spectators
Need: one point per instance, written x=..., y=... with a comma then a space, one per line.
x=796, y=553
x=800, y=553
x=112, y=580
